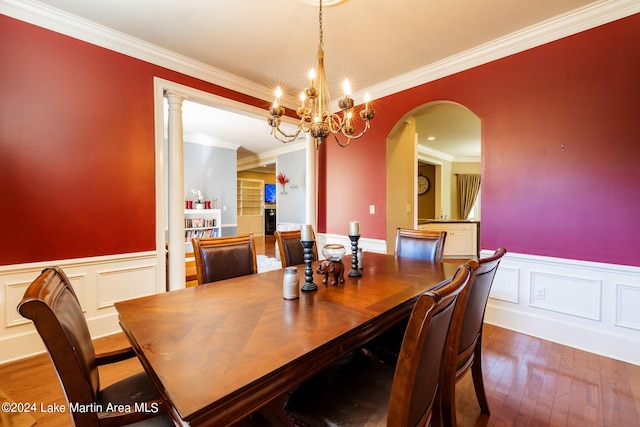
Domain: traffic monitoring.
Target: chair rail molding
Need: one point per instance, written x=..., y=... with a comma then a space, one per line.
x=586, y=305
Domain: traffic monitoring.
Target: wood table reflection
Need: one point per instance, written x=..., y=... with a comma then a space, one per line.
x=219, y=352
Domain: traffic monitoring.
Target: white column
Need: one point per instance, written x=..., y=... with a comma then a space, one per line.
x=311, y=202
x=175, y=221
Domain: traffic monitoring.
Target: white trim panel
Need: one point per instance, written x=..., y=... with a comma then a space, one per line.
x=628, y=306
x=506, y=285
x=566, y=294
x=586, y=305
x=124, y=283
x=98, y=283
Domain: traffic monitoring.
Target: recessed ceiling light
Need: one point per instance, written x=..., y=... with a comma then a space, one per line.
x=431, y=138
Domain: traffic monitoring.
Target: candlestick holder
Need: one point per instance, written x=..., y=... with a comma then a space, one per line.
x=308, y=284
x=354, y=272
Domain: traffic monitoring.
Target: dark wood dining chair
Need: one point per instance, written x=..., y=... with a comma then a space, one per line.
x=358, y=390
x=51, y=303
x=219, y=258
x=290, y=248
x=426, y=245
x=421, y=244
x=469, y=356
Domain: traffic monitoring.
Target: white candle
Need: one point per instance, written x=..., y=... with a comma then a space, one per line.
x=354, y=228
x=312, y=76
x=306, y=233
x=346, y=87
x=278, y=95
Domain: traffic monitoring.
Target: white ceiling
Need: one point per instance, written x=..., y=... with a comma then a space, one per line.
x=380, y=45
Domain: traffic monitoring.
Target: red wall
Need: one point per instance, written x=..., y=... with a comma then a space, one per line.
x=581, y=201
x=77, y=144
x=77, y=175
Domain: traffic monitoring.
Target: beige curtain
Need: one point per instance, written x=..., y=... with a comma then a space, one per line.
x=468, y=188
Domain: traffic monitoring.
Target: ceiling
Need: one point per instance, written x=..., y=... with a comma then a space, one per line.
x=379, y=44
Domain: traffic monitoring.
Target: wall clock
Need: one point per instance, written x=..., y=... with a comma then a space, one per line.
x=423, y=184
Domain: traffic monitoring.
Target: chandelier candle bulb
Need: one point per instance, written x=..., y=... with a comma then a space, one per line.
x=276, y=102
x=354, y=228
x=312, y=76
x=347, y=88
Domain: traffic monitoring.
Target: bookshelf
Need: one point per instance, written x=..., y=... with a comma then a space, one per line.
x=201, y=223
x=251, y=206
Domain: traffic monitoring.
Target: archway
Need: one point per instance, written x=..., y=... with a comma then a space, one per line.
x=446, y=137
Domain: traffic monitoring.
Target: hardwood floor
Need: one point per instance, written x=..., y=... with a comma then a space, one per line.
x=529, y=382
x=266, y=245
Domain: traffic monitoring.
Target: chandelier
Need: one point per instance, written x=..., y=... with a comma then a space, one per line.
x=315, y=111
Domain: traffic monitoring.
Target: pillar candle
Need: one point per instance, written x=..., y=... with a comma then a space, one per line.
x=306, y=233
x=354, y=228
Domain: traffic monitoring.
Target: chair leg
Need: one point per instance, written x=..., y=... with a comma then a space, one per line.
x=446, y=415
x=478, y=380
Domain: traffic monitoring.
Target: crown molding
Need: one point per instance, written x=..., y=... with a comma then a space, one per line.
x=44, y=16
x=467, y=159
x=553, y=29
x=425, y=153
x=271, y=156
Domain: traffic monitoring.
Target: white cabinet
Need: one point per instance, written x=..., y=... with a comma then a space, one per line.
x=201, y=223
x=462, y=238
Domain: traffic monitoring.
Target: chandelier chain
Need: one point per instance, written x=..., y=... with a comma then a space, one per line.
x=320, y=47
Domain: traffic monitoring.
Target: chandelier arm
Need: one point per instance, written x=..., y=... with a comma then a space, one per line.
x=366, y=128
x=341, y=144
x=287, y=137
x=335, y=123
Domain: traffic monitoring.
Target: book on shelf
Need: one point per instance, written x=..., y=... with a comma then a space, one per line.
x=199, y=222
x=209, y=232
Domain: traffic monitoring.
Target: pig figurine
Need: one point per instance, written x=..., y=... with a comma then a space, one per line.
x=333, y=271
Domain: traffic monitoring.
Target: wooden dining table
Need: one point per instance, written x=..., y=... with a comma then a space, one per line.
x=219, y=352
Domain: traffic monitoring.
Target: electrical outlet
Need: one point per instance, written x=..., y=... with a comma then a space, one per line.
x=538, y=292
x=407, y=208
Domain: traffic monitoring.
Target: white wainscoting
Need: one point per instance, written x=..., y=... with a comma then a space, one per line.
x=367, y=245
x=586, y=305
x=99, y=282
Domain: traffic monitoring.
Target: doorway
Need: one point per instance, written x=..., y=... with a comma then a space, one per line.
x=170, y=203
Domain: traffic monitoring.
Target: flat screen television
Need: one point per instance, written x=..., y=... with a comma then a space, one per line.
x=269, y=193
